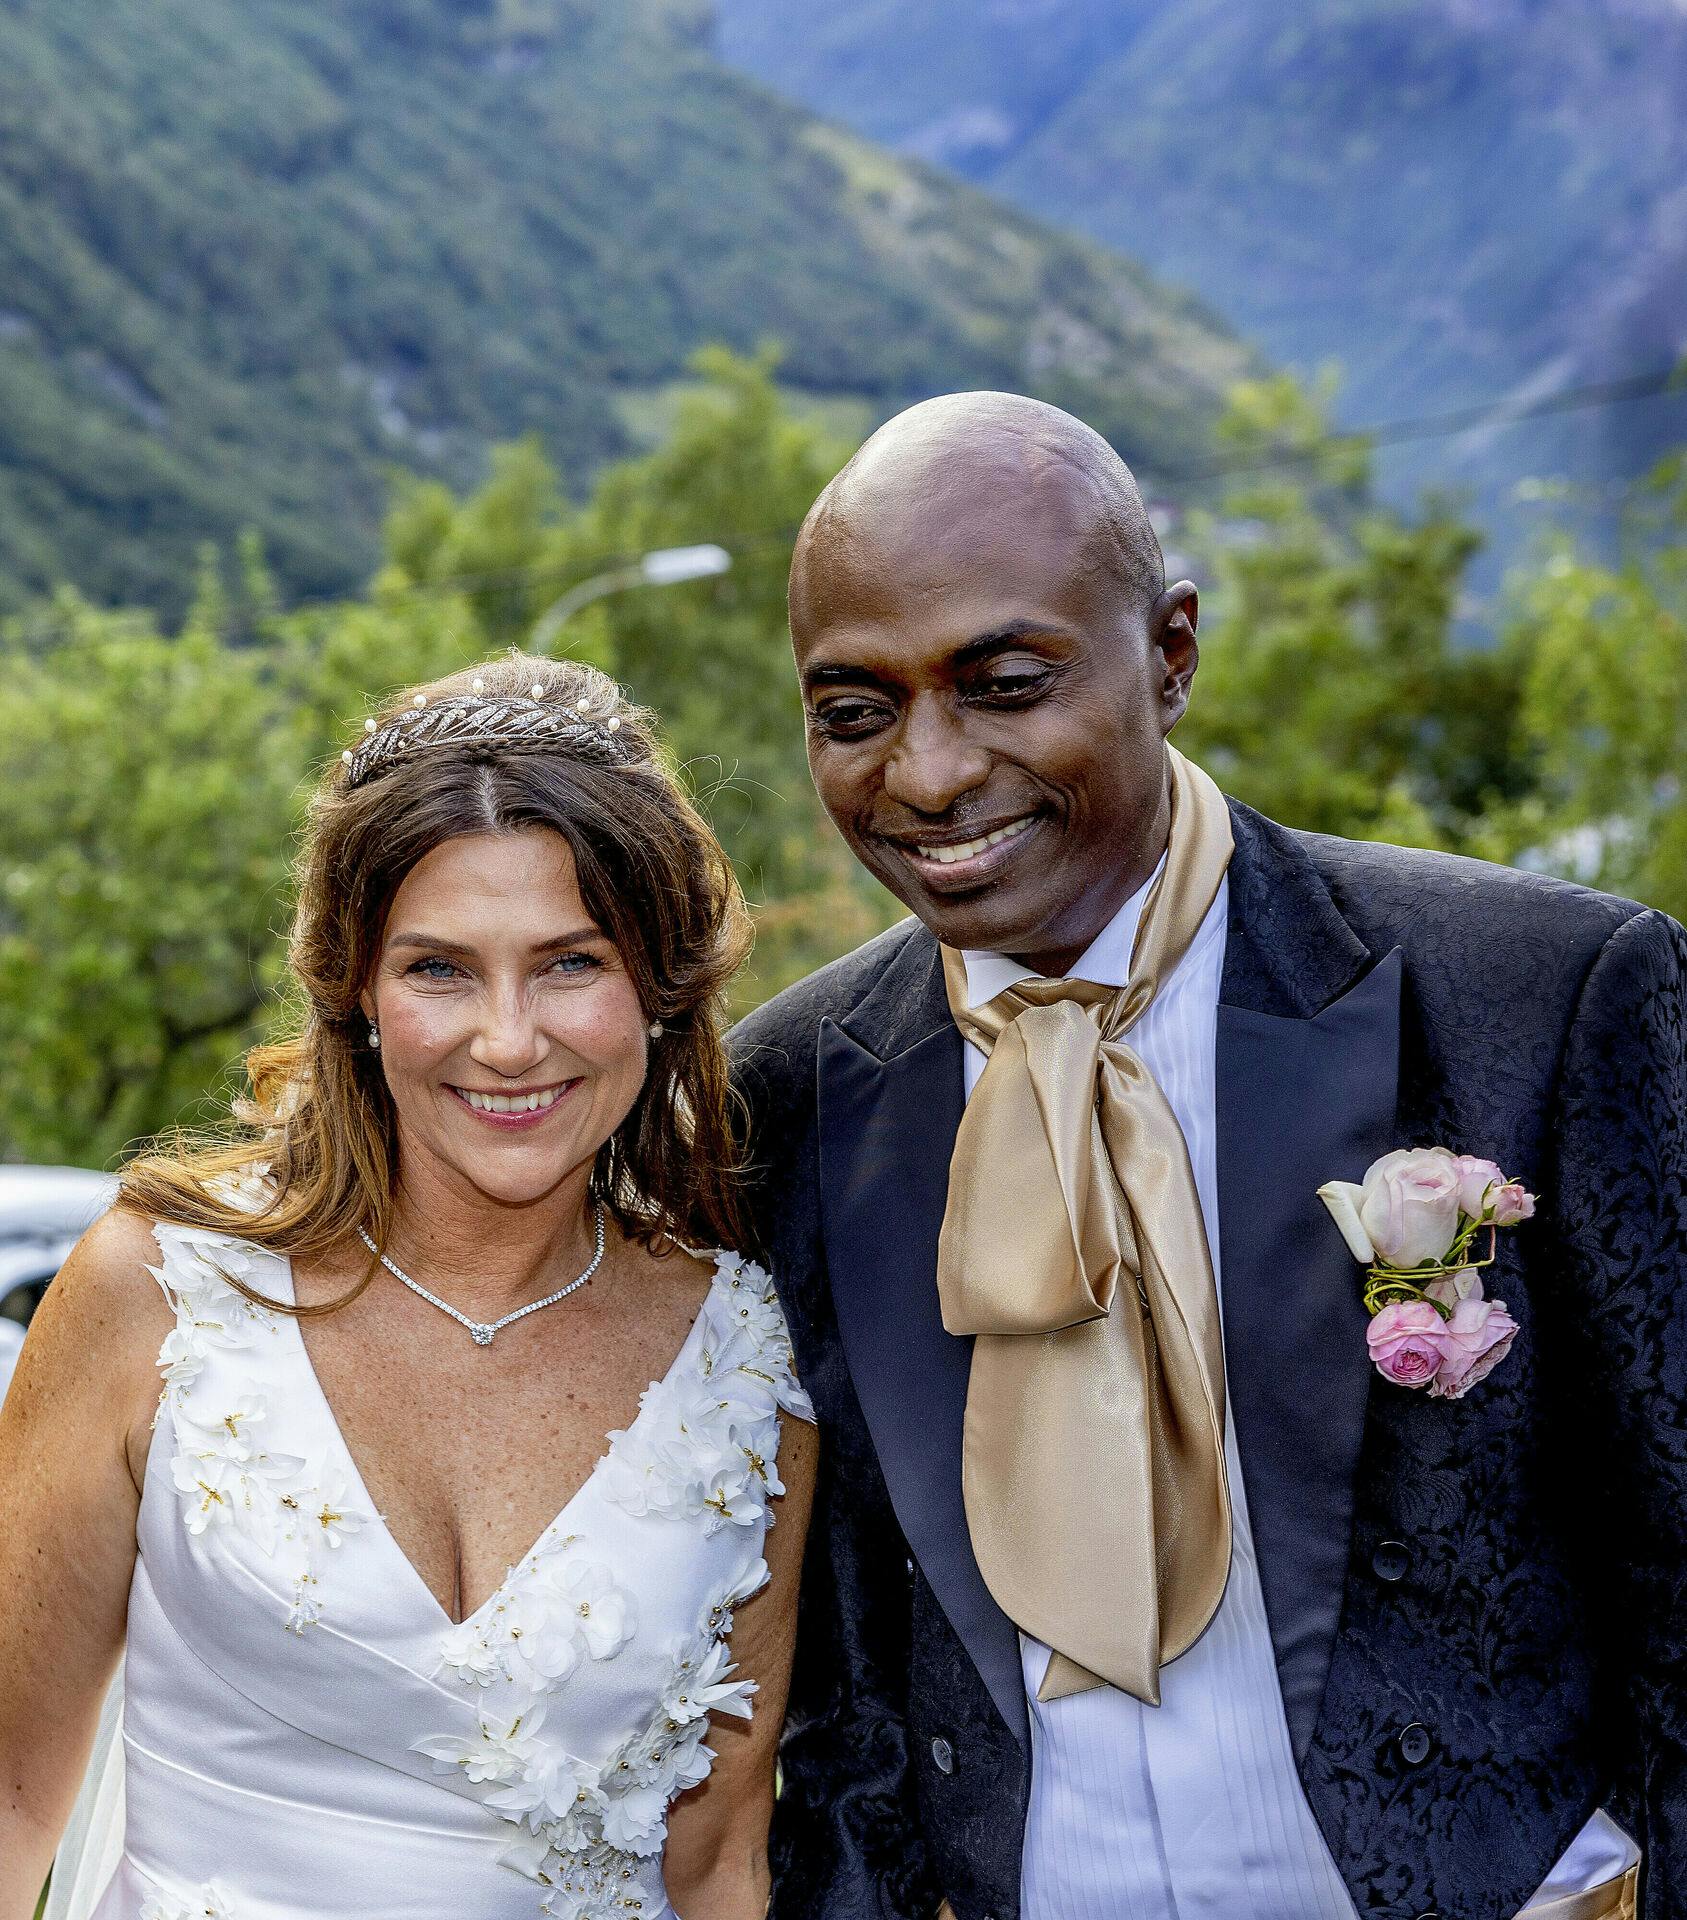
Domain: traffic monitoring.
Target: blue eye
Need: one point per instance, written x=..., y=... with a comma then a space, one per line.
x=425, y=967
x=575, y=963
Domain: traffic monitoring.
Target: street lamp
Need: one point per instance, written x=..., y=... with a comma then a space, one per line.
x=666, y=567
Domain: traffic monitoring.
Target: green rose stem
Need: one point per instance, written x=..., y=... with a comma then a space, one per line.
x=1387, y=1286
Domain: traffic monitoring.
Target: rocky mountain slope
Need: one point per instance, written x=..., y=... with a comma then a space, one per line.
x=1458, y=201
x=255, y=253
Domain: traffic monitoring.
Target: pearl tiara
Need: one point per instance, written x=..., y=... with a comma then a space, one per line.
x=513, y=722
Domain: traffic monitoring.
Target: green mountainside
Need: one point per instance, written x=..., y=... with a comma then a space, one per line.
x=256, y=253
x=1457, y=200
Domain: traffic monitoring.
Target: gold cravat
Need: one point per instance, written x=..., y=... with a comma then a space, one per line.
x=1073, y=1249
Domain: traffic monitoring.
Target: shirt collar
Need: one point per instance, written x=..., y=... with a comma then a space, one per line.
x=1106, y=961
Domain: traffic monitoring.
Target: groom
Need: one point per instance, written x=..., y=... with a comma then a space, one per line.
x=1134, y=1592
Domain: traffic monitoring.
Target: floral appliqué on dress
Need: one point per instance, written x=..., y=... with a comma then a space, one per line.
x=703, y=1453
x=296, y=1511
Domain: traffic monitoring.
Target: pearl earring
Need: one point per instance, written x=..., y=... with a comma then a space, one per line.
x=655, y=1029
x=374, y=1036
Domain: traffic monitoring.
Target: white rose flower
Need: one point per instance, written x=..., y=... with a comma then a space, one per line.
x=1410, y=1204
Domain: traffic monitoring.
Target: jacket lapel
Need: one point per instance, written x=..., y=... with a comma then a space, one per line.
x=889, y=1102
x=1307, y=1073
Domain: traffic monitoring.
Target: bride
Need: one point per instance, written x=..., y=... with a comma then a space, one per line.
x=416, y=1465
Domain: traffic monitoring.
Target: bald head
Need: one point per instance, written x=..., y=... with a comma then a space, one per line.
x=990, y=662
x=989, y=466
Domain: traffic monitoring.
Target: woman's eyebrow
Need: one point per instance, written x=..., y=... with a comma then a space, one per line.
x=437, y=943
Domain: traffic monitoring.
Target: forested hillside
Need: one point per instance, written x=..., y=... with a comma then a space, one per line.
x=1456, y=200
x=256, y=253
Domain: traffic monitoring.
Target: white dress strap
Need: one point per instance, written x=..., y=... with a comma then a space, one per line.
x=753, y=1339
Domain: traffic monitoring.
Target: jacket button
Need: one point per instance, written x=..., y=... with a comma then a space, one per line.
x=1391, y=1560
x=1414, y=1744
x=943, y=1754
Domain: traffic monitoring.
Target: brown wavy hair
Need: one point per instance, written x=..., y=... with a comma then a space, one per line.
x=318, y=1115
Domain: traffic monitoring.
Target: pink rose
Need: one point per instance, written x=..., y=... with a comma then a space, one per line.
x=1476, y=1178
x=1407, y=1343
x=1511, y=1204
x=1475, y=1341
x=1410, y=1204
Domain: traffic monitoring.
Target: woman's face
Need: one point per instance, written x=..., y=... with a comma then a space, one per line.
x=511, y=1034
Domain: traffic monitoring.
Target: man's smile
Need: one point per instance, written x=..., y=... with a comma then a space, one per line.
x=946, y=862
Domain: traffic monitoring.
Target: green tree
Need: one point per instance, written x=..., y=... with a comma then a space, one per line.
x=1335, y=692
x=1600, y=656
x=154, y=782
x=149, y=786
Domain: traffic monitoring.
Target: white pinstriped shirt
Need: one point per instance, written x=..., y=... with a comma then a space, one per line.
x=1192, y=1810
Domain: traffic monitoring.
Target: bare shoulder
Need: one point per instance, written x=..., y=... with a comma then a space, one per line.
x=96, y=1335
x=677, y=1274
x=105, y=1289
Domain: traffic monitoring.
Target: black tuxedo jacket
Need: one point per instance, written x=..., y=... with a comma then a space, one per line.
x=1478, y=1607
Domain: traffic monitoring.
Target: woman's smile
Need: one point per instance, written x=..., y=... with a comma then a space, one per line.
x=523, y=1107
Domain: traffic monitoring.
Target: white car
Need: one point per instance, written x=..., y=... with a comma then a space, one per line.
x=43, y=1211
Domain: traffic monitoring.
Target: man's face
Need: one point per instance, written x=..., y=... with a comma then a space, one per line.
x=987, y=708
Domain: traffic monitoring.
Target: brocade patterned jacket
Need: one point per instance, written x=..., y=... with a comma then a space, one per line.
x=1478, y=1607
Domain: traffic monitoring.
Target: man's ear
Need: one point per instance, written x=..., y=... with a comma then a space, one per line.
x=1171, y=627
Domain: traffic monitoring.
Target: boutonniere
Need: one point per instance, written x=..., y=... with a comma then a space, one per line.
x=1417, y=1223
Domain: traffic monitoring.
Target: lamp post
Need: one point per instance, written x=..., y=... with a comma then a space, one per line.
x=665, y=567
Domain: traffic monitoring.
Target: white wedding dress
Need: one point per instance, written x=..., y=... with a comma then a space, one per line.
x=304, y=1731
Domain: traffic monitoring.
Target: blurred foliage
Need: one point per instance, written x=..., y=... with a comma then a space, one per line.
x=1341, y=690
x=1599, y=660
x=154, y=780
x=1333, y=694
x=253, y=253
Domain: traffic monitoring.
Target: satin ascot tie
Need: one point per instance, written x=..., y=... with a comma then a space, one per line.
x=1073, y=1250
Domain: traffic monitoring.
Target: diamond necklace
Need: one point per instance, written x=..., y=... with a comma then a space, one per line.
x=481, y=1329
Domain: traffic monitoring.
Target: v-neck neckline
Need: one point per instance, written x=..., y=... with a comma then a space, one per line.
x=378, y=1520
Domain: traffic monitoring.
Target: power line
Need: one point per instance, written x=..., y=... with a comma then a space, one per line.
x=1659, y=383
